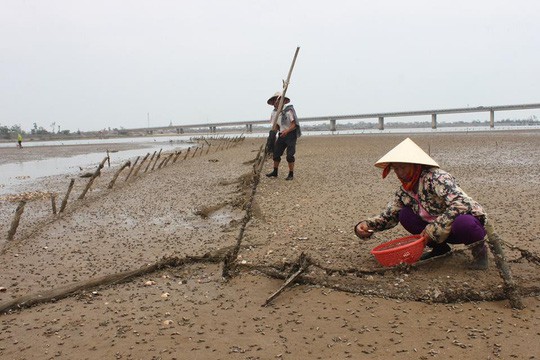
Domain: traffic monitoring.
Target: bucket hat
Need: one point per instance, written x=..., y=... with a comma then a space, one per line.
x=406, y=152
x=276, y=95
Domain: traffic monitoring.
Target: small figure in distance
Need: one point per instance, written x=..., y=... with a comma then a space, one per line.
x=430, y=203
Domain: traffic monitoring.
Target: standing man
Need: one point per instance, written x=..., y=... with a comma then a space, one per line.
x=289, y=130
x=19, y=141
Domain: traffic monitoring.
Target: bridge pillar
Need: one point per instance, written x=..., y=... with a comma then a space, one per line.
x=491, y=119
x=332, y=124
x=433, y=121
x=381, y=123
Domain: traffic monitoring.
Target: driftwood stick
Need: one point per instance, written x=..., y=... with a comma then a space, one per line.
x=208, y=150
x=141, y=165
x=66, y=197
x=150, y=162
x=157, y=158
x=126, y=164
x=195, y=152
x=510, y=287
x=132, y=167
x=15, y=221
x=302, y=264
x=53, y=203
x=94, y=176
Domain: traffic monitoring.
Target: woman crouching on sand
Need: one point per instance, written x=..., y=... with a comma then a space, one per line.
x=430, y=203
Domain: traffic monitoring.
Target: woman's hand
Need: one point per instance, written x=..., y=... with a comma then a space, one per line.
x=362, y=230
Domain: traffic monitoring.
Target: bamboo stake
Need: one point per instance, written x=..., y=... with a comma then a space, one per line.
x=177, y=156
x=510, y=287
x=161, y=163
x=53, y=203
x=15, y=221
x=66, y=197
x=133, y=167
x=94, y=176
x=126, y=164
x=168, y=159
x=188, y=150
x=141, y=165
x=150, y=162
x=157, y=158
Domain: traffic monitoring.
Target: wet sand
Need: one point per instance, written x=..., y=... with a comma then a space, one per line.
x=388, y=315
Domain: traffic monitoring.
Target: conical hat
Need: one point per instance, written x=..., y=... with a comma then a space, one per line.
x=406, y=152
x=275, y=96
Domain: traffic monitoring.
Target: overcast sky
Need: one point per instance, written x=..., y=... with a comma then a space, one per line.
x=95, y=64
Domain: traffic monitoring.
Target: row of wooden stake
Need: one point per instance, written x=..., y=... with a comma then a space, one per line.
x=224, y=144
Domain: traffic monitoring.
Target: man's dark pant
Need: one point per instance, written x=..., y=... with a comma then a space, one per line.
x=287, y=142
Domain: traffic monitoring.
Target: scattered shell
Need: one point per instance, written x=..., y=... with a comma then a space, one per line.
x=149, y=283
x=2, y=289
x=168, y=322
x=165, y=295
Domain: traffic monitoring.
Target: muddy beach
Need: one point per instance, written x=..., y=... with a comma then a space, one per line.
x=344, y=308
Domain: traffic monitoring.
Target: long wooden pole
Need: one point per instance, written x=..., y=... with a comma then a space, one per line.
x=286, y=82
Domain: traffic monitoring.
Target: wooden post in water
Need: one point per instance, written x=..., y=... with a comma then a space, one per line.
x=53, y=203
x=91, y=181
x=66, y=197
x=16, y=219
x=108, y=159
x=133, y=167
x=126, y=164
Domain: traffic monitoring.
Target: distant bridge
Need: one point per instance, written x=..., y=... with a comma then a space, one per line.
x=333, y=119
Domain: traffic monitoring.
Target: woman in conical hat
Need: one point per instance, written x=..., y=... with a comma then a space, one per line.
x=430, y=203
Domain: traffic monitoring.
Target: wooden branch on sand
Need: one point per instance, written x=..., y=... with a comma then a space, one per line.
x=301, y=265
x=71, y=289
x=510, y=287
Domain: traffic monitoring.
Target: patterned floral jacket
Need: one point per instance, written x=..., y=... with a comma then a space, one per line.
x=439, y=195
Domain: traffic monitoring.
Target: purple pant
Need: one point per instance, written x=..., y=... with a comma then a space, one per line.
x=466, y=229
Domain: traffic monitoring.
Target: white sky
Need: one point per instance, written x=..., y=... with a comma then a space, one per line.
x=94, y=64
